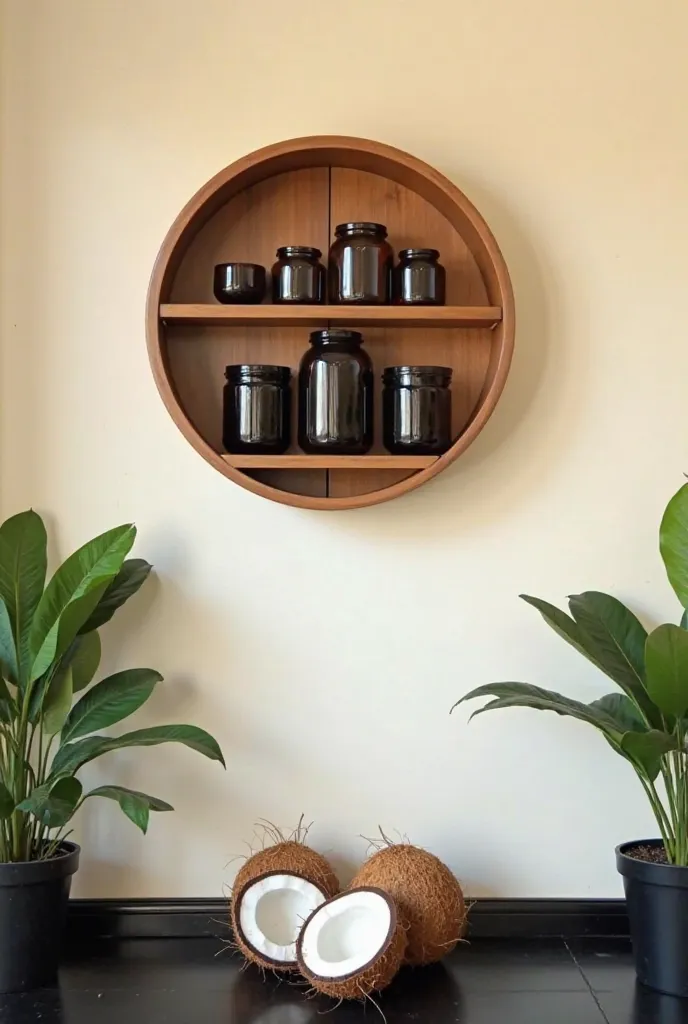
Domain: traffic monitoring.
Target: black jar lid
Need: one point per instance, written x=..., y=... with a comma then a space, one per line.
x=419, y=254
x=334, y=335
x=361, y=227
x=307, y=251
x=241, y=373
x=439, y=375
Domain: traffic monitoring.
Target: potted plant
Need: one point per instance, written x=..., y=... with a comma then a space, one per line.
x=49, y=655
x=647, y=724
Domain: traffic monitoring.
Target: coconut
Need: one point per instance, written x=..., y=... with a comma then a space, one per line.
x=428, y=897
x=352, y=945
x=274, y=892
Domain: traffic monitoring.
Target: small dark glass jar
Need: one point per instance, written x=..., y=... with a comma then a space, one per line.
x=419, y=280
x=298, y=276
x=416, y=410
x=336, y=395
x=360, y=264
x=257, y=409
x=239, y=282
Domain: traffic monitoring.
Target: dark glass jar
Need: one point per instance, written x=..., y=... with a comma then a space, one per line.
x=239, y=282
x=257, y=409
x=298, y=276
x=419, y=280
x=416, y=410
x=360, y=264
x=336, y=395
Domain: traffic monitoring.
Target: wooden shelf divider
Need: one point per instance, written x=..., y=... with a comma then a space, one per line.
x=302, y=316
x=369, y=462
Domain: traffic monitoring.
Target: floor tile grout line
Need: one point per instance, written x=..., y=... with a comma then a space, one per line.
x=589, y=986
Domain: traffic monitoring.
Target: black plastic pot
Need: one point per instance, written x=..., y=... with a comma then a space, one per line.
x=33, y=911
x=657, y=899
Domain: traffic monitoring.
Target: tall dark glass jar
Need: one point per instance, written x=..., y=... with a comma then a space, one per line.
x=298, y=276
x=419, y=280
x=336, y=395
x=257, y=409
x=360, y=264
x=416, y=410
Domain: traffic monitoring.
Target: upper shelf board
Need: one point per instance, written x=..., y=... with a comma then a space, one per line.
x=302, y=316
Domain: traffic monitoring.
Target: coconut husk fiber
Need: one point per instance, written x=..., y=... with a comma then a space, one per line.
x=286, y=856
x=428, y=897
x=373, y=976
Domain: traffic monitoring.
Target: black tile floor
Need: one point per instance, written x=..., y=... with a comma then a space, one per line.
x=489, y=981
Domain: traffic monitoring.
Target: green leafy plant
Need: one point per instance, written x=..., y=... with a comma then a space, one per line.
x=49, y=656
x=647, y=722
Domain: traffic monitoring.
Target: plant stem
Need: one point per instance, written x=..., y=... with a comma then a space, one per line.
x=661, y=816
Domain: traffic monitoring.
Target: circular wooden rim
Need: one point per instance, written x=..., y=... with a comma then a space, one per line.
x=362, y=154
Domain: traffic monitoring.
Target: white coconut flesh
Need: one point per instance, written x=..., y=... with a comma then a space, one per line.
x=272, y=913
x=347, y=934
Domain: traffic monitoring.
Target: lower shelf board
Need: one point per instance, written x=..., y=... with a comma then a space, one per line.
x=330, y=461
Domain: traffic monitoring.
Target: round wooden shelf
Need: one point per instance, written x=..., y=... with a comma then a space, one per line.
x=294, y=193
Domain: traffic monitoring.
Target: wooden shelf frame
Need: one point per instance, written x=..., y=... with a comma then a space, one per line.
x=358, y=462
x=267, y=315
x=306, y=185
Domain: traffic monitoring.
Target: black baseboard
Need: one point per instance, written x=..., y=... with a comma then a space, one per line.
x=489, y=918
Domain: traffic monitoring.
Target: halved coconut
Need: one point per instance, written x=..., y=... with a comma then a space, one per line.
x=428, y=897
x=274, y=892
x=268, y=916
x=352, y=945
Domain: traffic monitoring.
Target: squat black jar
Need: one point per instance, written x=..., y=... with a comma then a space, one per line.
x=416, y=410
x=360, y=264
x=298, y=276
x=336, y=395
x=239, y=282
x=419, y=280
x=257, y=409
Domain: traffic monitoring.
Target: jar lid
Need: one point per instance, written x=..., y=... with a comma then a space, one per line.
x=419, y=254
x=361, y=227
x=440, y=375
x=264, y=372
x=299, y=250
x=333, y=335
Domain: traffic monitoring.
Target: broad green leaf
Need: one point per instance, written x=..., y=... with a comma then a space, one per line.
x=622, y=709
x=37, y=694
x=137, y=806
x=8, y=650
x=132, y=575
x=112, y=700
x=72, y=756
x=6, y=802
x=646, y=749
x=673, y=543
x=510, y=695
x=73, y=593
x=57, y=703
x=54, y=802
x=563, y=626
x=666, y=656
x=23, y=562
x=617, y=641
x=8, y=708
x=81, y=658
x=684, y=619
x=85, y=661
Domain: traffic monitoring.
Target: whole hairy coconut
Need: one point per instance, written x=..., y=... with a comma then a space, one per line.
x=274, y=892
x=428, y=897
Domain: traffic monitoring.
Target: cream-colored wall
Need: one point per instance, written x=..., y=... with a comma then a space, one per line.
x=325, y=650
